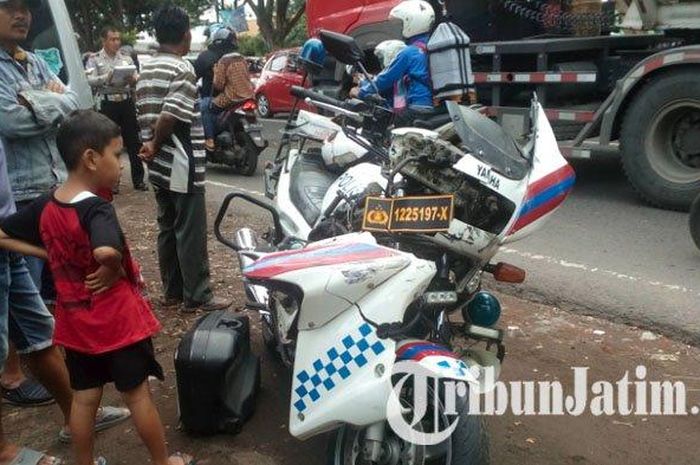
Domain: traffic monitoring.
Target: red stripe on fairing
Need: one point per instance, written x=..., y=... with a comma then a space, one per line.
x=430, y=353
x=550, y=180
x=537, y=213
x=410, y=345
x=267, y=272
x=427, y=352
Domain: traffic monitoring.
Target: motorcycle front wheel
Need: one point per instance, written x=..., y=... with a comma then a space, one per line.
x=468, y=445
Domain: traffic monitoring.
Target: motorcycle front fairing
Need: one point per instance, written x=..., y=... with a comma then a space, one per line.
x=342, y=369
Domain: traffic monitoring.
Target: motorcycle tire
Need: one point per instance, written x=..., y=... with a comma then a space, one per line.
x=468, y=445
x=250, y=165
x=694, y=220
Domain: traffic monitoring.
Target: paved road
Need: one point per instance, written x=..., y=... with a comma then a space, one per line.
x=604, y=252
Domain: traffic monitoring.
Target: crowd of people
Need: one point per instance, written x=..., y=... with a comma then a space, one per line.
x=72, y=302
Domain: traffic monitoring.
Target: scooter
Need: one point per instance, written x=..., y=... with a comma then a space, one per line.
x=239, y=139
x=344, y=313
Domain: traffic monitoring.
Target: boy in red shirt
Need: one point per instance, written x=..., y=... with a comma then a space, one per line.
x=102, y=318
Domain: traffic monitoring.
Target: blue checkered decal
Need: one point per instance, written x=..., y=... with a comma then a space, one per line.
x=458, y=367
x=354, y=351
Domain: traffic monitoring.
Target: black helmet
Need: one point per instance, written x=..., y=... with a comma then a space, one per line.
x=224, y=38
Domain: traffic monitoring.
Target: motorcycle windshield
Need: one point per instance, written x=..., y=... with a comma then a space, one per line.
x=489, y=142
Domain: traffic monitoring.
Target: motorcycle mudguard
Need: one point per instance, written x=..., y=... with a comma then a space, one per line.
x=437, y=359
x=254, y=130
x=439, y=362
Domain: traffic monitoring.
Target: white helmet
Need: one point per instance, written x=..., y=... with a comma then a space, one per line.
x=386, y=51
x=417, y=17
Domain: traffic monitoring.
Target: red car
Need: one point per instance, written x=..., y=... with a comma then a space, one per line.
x=279, y=74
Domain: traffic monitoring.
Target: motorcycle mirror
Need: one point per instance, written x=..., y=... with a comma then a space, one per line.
x=342, y=47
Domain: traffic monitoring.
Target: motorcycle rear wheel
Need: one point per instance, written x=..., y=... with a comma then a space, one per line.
x=250, y=161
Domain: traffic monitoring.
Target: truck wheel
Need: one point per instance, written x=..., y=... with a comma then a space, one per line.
x=660, y=140
x=694, y=221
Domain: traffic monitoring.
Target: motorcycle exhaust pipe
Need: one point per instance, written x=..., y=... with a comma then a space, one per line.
x=246, y=239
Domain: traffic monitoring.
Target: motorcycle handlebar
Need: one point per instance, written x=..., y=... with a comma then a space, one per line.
x=302, y=93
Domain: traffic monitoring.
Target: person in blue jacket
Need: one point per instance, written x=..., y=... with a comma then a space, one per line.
x=410, y=68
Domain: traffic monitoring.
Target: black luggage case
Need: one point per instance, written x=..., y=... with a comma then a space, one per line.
x=218, y=376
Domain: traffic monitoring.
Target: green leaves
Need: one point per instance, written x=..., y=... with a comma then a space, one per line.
x=89, y=16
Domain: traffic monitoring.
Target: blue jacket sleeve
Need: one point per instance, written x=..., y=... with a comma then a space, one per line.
x=391, y=75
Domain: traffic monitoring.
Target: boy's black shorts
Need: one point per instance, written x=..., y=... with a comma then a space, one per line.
x=127, y=368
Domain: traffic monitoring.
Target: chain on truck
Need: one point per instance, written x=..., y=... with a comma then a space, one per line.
x=617, y=78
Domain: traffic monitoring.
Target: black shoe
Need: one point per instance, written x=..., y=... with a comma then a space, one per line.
x=213, y=305
x=141, y=187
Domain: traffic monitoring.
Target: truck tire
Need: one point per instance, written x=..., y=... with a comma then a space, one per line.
x=660, y=140
x=694, y=221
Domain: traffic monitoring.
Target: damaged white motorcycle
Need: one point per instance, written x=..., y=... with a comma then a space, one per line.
x=342, y=312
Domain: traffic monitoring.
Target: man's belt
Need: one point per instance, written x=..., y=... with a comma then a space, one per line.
x=115, y=97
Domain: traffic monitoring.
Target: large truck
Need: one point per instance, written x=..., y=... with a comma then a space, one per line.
x=616, y=78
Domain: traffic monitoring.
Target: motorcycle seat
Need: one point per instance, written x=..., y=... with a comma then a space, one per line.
x=310, y=180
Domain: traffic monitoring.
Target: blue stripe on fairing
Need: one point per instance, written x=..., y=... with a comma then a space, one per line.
x=548, y=194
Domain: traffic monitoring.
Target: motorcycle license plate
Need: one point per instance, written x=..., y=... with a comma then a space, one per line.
x=425, y=214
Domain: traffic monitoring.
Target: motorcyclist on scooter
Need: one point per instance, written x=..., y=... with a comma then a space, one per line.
x=386, y=52
x=221, y=42
x=410, y=66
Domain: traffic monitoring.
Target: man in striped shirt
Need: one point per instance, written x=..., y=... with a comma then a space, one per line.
x=173, y=148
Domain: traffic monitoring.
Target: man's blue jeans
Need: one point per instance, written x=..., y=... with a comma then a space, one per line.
x=209, y=114
x=23, y=315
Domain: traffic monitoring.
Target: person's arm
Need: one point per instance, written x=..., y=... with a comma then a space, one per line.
x=20, y=231
x=163, y=130
x=50, y=107
x=385, y=80
x=18, y=119
x=33, y=113
x=99, y=219
x=200, y=68
x=219, y=79
x=21, y=247
x=109, y=272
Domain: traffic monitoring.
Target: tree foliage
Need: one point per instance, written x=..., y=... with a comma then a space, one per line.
x=249, y=45
x=90, y=16
x=277, y=19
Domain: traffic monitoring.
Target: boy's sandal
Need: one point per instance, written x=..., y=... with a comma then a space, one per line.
x=106, y=418
x=27, y=456
x=28, y=394
x=186, y=459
